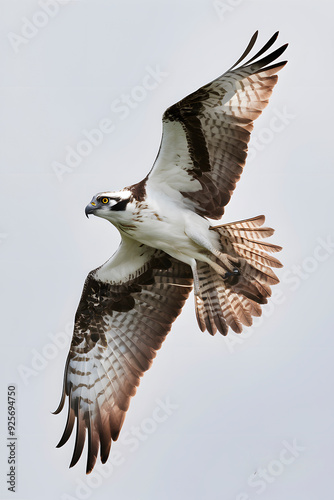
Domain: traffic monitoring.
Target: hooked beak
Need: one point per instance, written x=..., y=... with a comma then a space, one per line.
x=90, y=208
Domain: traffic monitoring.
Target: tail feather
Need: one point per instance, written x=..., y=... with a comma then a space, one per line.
x=228, y=299
x=243, y=309
x=240, y=307
x=256, y=256
x=252, y=269
x=228, y=309
x=208, y=317
x=255, y=309
x=263, y=289
x=245, y=229
x=254, y=290
x=251, y=223
x=261, y=245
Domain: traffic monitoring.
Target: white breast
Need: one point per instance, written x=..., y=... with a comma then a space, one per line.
x=163, y=223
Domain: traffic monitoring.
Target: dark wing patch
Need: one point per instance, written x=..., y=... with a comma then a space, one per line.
x=216, y=123
x=187, y=113
x=118, y=329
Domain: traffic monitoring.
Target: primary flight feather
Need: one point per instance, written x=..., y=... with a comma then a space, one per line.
x=168, y=247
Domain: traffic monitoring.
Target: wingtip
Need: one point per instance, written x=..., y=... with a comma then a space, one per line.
x=90, y=464
x=66, y=435
x=254, y=37
x=59, y=407
x=104, y=458
x=74, y=461
x=105, y=451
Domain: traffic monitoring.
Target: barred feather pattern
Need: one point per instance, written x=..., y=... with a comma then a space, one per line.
x=209, y=130
x=232, y=301
x=128, y=305
x=118, y=330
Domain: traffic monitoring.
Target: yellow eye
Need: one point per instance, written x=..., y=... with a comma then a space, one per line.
x=105, y=200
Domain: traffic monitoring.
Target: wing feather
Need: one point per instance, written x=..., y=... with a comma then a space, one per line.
x=205, y=135
x=120, y=324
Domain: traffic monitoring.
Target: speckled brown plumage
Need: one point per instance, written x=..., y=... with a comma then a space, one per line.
x=118, y=329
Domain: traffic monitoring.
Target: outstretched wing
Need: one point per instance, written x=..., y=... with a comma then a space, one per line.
x=126, y=310
x=205, y=135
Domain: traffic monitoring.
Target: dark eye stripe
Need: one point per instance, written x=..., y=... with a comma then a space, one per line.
x=121, y=205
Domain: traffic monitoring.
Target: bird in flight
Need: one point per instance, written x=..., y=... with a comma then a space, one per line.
x=168, y=247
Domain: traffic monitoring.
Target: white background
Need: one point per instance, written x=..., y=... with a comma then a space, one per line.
x=238, y=403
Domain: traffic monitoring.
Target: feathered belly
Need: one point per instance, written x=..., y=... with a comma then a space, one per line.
x=169, y=233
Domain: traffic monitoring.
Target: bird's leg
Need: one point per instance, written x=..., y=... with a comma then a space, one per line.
x=233, y=271
x=195, y=276
x=228, y=262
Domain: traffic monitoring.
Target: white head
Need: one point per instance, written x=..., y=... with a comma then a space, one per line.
x=111, y=205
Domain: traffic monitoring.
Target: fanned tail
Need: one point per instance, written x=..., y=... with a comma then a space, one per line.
x=230, y=297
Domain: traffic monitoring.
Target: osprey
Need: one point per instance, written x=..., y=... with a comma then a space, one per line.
x=167, y=248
